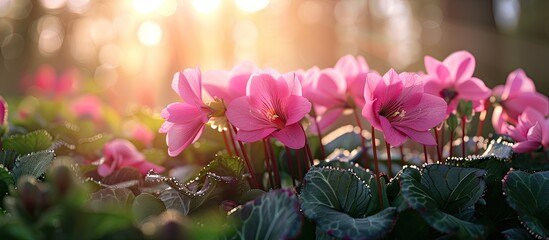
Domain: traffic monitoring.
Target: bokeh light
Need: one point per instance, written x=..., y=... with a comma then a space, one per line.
x=251, y=5
x=206, y=6
x=149, y=33
x=146, y=6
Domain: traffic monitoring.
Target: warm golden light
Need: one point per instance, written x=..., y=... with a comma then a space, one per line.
x=149, y=33
x=251, y=5
x=146, y=6
x=206, y=6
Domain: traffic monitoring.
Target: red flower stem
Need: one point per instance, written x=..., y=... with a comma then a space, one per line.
x=389, y=168
x=439, y=154
x=231, y=135
x=224, y=133
x=425, y=154
x=255, y=183
x=402, y=162
x=362, y=140
x=463, y=121
x=481, y=119
x=310, y=156
x=442, y=142
x=298, y=158
x=290, y=165
x=376, y=168
x=322, y=151
x=274, y=163
x=451, y=143
x=268, y=163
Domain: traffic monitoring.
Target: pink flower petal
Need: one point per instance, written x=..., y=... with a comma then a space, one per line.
x=327, y=119
x=431, y=65
x=515, y=106
x=291, y=136
x=45, y=78
x=181, y=136
x=243, y=116
x=392, y=136
x=497, y=120
x=216, y=84
x=298, y=108
x=369, y=111
x=183, y=113
x=526, y=146
x=188, y=84
x=254, y=135
x=421, y=137
x=461, y=65
x=472, y=89
x=429, y=112
x=517, y=83
x=3, y=111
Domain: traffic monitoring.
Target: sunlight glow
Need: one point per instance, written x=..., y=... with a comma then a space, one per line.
x=251, y=5
x=146, y=6
x=206, y=6
x=149, y=33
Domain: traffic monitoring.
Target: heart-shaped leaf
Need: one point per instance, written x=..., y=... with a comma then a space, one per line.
x=7, y=158
x=224, y=174
x=440, y=193
x=34, y=164
x=274, y=215
x=36, y=141
x=145, y=206
x=527, y=194
x=6, y=180
x=337, y=201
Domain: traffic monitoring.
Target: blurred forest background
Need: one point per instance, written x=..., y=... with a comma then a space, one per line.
x=128, y=50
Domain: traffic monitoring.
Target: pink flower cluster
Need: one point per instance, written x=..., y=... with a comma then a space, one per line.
x=521, y=112
x=263, y=103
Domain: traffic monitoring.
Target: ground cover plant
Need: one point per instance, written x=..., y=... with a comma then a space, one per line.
x=251, y=153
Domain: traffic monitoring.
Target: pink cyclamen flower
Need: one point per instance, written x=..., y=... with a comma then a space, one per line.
x=526, y=120
x=354, y=70
x=537, y=136
x=518, y=94
x=228, y=85
x=397, y=105
x=46, y=82
x=3, y=111
x=453, y=80
x=185, y=121
x=88, y=106
x=272, y=107
x=121, y=153
x=3, y=116
x=327, y=91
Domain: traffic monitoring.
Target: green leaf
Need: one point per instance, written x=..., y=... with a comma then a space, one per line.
x=275, y=215
x=111, y=198
x=34, y=164
x=440, y=193
x=224, y=176
x=36, y=141
x=6, y=180
x=145, y=206
x=465, y=108
x=452, y=122
x=517, y=234
x=527, y=194
x=7, y=158
x=93, y=146
x=338, y=200
x=126, y=176
x=173, y=199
